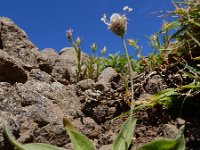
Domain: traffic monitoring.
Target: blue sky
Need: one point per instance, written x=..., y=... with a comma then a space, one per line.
x=46, y=21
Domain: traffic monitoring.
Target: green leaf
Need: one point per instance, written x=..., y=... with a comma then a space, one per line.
x=123, y=140
x=158, y=42
x=32, y=146
x=79, y=141
x=189, y=74
x=195, y=86
x=194, y=22
x=191, y=69
x=166, y=144
x=40, y=146
x=193, y=38
x=172, y=25
x=178, y=32
x=164, y=95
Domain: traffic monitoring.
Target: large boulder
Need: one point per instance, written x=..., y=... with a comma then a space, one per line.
x=15, y=42
x=35, y=110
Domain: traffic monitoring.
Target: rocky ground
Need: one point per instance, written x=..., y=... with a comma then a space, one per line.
x=38, y=88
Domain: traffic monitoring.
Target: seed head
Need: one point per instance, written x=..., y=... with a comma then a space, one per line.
x=118, y=24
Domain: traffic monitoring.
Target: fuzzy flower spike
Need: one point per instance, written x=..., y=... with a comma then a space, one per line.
x=117, y=23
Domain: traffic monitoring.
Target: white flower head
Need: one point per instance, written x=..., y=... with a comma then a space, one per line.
x=118, y=24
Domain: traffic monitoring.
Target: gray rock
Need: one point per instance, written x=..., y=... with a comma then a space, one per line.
x=10, y=71
x=15, y=42
x=62, y=73
x=106, y=147
x=155, y=84
x=66, y=66
x=180, y=121
x=85, y=84
x=47, y=59
x=107, y=76
x=40, y=76
x=170, y=131
x=35, y=110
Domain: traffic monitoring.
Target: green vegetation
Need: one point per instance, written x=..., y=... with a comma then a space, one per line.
x=122, y=141
x=176, y=45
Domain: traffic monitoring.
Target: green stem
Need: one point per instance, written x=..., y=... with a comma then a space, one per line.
x=78, y=53
x=131, y=74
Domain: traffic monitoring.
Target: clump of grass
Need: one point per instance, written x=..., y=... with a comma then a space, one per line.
x=179, y=51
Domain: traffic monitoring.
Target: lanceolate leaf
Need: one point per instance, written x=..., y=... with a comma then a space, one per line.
x=172, y=25
x=40, y=146
x=32, y=146
x=193, y=38
x=194, y=22
x=162, y=95
x=166, y=144
x=79, y=141
x=123, y=140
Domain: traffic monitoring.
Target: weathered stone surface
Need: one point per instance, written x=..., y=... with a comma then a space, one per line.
x=10, y=71
x=15, y=42
x=65, y=67
x=107, y=76
x=180, y=121
x=37, y=109
x=38, y=75
x=102, y=106
x=106, y=147
x=47, y=59
x=62, y=73
x=170, y=131
x=155, y=84
x=85, y=84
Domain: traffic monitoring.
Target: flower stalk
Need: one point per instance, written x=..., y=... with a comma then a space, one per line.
x=118, y=25
x=131, y=74
x=78, y=51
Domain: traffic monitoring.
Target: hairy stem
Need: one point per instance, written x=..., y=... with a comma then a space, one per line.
x=131, y=74
x=78, y=53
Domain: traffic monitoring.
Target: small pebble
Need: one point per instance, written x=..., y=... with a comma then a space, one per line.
x=180, y=121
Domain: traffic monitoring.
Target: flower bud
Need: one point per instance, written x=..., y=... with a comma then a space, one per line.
x=78, y=41
x=133, y=43
x=94, y=47
x=103, y=51
x=69, y=34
